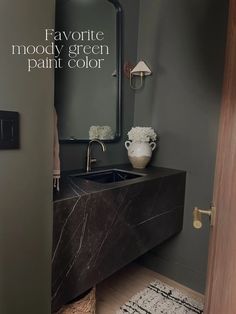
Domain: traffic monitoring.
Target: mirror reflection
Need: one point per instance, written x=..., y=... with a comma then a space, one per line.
x=87, y=89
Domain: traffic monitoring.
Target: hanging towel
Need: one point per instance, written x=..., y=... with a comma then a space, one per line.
x=56, y=151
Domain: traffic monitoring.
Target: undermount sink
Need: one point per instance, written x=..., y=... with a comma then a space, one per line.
x=109, y=176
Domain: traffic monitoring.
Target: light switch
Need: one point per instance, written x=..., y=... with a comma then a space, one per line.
x=9, y=130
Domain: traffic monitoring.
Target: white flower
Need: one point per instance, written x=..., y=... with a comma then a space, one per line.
x=93, y=132
x=101, y=132
x=142, y=134
x=106, y=133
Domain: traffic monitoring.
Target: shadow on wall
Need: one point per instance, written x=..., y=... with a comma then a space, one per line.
x=199, y=24
x=210, y=48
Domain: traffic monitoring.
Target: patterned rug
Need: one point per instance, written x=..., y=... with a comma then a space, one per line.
x=159, y=298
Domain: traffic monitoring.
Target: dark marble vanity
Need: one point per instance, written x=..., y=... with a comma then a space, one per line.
x=104, y=222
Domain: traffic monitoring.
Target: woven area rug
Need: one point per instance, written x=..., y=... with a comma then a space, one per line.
x=159, y=298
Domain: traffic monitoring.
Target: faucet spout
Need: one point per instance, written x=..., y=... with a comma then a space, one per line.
x=89, y=159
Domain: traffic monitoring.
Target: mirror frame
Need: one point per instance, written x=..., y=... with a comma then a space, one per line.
x=119, y=62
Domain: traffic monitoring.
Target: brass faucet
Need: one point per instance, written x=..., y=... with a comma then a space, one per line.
x=89, y=159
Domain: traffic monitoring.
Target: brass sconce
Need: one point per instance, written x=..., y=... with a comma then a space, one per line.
x=141, y=70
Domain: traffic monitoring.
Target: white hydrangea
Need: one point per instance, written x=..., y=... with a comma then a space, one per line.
x=103, y=132
x=142, y=134
x=93, y=132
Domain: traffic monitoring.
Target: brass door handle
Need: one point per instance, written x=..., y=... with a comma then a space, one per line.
x=197, y=216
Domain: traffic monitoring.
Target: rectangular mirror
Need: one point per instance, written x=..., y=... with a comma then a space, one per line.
x=88, y=86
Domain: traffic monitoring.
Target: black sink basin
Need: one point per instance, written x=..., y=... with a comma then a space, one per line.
x=109, y=176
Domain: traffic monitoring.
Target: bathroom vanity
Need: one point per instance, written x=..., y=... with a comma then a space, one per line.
x=105, y=219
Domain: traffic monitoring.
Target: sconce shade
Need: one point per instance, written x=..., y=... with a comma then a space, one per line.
x=141, y=69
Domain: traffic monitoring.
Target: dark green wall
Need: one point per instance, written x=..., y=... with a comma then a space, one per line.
x=183, y=42
x=73, y=155
x=26, y=174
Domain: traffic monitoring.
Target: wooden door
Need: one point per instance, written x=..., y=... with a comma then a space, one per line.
x=221, y=283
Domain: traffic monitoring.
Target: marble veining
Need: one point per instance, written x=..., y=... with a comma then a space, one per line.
x=100, y=228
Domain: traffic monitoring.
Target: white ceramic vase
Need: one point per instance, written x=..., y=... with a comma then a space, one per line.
x=139, y=153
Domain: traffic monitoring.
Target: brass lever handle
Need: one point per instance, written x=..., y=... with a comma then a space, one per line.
x=197, y=216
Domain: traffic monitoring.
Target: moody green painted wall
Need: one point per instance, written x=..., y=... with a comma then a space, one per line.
x=183, y=42
x=26, y=174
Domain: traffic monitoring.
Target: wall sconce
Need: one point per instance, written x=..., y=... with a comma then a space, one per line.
x=141, y=69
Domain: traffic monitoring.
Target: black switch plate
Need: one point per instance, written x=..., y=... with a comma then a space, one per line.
x=9, y=130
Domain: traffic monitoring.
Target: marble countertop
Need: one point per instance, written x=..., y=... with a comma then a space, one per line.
x=73, y=187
